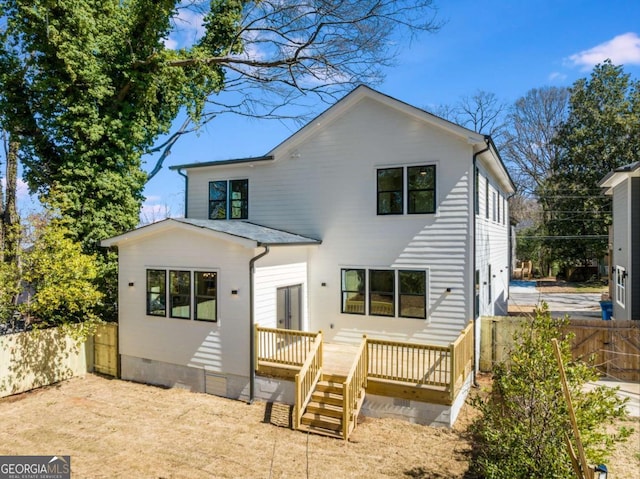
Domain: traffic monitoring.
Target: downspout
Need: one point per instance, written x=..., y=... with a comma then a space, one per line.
x=186, y=192
x=252, y=339
x=473, y=255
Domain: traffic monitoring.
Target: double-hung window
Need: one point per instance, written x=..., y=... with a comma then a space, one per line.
x=229, y=199
x=183, y=289
x=410, y=190
x=377, y=291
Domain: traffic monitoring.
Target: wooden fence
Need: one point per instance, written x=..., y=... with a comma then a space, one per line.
x=105, y=350
x=612, y=346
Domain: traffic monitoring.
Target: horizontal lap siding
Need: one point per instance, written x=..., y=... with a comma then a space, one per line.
x=186, y=342
x=325, y=187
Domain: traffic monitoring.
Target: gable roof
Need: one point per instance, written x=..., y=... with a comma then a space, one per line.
x=617, y=176
x=249, y=234
x=479, y=141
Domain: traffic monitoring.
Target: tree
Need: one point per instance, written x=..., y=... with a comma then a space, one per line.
x=481, y=112
x=524, y=419
x=601, y=133
x=90, y=85
x=532, y=124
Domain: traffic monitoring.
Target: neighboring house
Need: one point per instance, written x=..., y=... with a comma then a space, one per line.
x=376, y=218
x=624, y=185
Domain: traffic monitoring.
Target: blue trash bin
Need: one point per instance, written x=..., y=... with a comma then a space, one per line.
x=607, y=309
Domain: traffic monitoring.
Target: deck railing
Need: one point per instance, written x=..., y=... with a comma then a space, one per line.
x=283, y=346
x=423, y=364
x=353, y=386
x=461, y=359
x=307, y=378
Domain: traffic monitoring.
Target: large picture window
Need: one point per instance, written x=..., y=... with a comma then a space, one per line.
x=412, y=294
x=180, y=294
x=419, y=183
x=183, y=289
x=353, y=291
x=229, y=199
x=156, y=292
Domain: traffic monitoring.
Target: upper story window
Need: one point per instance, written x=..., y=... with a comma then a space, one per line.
x=419, y=182
x=229, y=199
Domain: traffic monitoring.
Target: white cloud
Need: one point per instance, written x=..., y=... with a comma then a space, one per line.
x=154, y=212
x=621, y=50
x=557, y=77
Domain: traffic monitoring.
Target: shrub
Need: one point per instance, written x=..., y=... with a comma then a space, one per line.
x=521, y=432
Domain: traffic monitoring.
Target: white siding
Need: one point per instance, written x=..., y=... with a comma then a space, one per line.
x=282, y=267
x=492, y=249
x=326, y=188
x=186, y=342
x=621, y=240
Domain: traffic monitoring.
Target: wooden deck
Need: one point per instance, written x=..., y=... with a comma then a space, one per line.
x=331, y=379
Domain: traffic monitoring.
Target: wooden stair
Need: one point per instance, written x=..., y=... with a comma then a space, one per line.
x=324, y=413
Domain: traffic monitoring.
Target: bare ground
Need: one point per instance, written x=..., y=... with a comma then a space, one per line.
x=114, y=429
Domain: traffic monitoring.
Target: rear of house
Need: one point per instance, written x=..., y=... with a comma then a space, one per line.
x=375, y=219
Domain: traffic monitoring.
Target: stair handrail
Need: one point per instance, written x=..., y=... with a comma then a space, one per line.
x=355, y=382
x=307, y=378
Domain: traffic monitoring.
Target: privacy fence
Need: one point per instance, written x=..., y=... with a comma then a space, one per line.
x=612, y=346
x=33, y=359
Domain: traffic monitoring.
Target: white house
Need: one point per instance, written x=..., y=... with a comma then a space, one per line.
x=624, y=185
x=376, y=218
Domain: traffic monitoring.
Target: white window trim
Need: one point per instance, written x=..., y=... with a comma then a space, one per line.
x=621, y=285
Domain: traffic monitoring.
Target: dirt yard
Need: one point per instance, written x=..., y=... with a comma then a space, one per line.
x=114, y=429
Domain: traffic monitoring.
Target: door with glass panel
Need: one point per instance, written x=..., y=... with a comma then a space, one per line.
x=289, y=307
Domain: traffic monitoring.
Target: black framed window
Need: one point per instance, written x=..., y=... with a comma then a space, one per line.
x=206, y=295
x=390, y=191
x=381, y=292
x=156, y=292
x=218, y=200
x=486, y=197
x=180, y=294
x=229, y=199
x=239, y=199
x=421, y=189
x=412, y=294
x=353, y=291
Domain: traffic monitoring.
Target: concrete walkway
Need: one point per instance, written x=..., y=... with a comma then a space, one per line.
x=627, y=390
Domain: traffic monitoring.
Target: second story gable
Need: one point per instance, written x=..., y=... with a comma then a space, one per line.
x=369, y=161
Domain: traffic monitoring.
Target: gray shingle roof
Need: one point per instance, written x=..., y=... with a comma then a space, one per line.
x=243, y=229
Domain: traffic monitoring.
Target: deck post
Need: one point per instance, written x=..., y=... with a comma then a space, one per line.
x=452, y=372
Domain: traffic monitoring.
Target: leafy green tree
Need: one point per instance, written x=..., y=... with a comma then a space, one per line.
x=88, y=86
x=601, y=133
x=521, y=433
x=59, y=278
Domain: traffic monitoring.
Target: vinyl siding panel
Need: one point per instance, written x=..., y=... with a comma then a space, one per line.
x=177, y=341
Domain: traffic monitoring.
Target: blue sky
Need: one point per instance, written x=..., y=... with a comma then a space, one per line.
x=500, y=46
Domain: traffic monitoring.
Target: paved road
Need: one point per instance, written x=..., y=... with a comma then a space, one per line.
x=576, y=305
